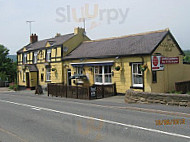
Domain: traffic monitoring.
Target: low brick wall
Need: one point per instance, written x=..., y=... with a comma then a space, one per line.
x=160, y=98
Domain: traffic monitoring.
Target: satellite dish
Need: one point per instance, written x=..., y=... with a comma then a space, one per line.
x=65, y=49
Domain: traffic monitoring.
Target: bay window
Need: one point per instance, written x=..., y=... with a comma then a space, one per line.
x=137, y=76
x=103, y=74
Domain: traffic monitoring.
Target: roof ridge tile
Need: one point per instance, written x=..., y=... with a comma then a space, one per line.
x=138, y=34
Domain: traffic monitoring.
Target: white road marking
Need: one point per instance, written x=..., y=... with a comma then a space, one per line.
x=101, y=120
x=34, y=108
x=181, y=114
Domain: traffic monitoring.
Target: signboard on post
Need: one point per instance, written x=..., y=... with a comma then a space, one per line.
x=156, y=63
x=170, y=60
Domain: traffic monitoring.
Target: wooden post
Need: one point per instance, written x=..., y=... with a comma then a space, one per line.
x=77, y=91
x=103, y=91
x=55, y=90
x=89, y=93
x=48, y=89
x=96, y=95
x=66, y=90
x=115, y=90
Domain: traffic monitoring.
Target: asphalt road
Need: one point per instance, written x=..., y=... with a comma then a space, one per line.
x=42, y=119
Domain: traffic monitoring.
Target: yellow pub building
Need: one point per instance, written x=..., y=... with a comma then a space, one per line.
x=150, y=62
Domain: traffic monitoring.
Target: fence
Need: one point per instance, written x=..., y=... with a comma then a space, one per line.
x=78, y=92
x=183, y=87
x=103, y=91
x=4, y=84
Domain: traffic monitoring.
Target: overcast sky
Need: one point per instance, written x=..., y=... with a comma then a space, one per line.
x=104, y=18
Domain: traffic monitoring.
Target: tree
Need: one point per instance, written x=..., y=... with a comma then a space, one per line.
x=7, y=67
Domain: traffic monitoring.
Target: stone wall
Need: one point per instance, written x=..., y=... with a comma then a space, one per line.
x=160, y=98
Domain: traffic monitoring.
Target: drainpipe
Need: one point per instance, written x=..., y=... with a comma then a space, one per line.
x=38, y=77
x=143, y=73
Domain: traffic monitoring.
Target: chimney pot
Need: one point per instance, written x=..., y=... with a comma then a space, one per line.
x=33, y=38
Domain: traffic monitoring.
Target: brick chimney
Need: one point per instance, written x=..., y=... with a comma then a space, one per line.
x=33, y=38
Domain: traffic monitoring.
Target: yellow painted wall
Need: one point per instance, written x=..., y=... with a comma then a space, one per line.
x=74, y=42
x=20, y=76
x=172, y=72
x=41, y=56
x=41, y=70
x=165, y=79
x=19, y=57
x=32, y=77
x=56, y=76
x=122, y=78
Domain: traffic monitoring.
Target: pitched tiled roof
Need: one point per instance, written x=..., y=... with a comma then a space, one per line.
x=138, y=44
x=42, y=43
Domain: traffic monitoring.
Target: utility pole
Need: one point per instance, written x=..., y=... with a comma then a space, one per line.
x=84, y=23
x=30, y=26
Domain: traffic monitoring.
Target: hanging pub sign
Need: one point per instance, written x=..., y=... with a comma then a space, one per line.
x=170, y=60
x=156, y=63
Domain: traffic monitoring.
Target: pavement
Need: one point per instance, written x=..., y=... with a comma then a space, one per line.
x=5, y=89
x=25, y=117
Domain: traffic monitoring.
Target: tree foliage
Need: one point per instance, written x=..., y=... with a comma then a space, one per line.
x=7, y=67
x=187, y=56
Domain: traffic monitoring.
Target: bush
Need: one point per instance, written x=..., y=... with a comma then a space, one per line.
x=175, y=92
x=3, y=76
x=188, y=93
x=13, y=86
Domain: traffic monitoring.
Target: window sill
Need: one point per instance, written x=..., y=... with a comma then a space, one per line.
x=136, y=87
x=103, y=83
x=48, y=81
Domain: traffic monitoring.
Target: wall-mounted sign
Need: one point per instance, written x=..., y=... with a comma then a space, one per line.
x=156, y=63
x=93, y=91
x=170, y=60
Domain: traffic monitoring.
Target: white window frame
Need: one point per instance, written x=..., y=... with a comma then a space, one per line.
x=136, y=74
x=48, y=55
x=79, y=70
x=48, y=74
x=35, y=57
x=25, y=58
x=103, y=74
x=24, y=76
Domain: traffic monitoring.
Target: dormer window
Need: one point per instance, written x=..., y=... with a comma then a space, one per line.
x=51, y=43
x=48, y=55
